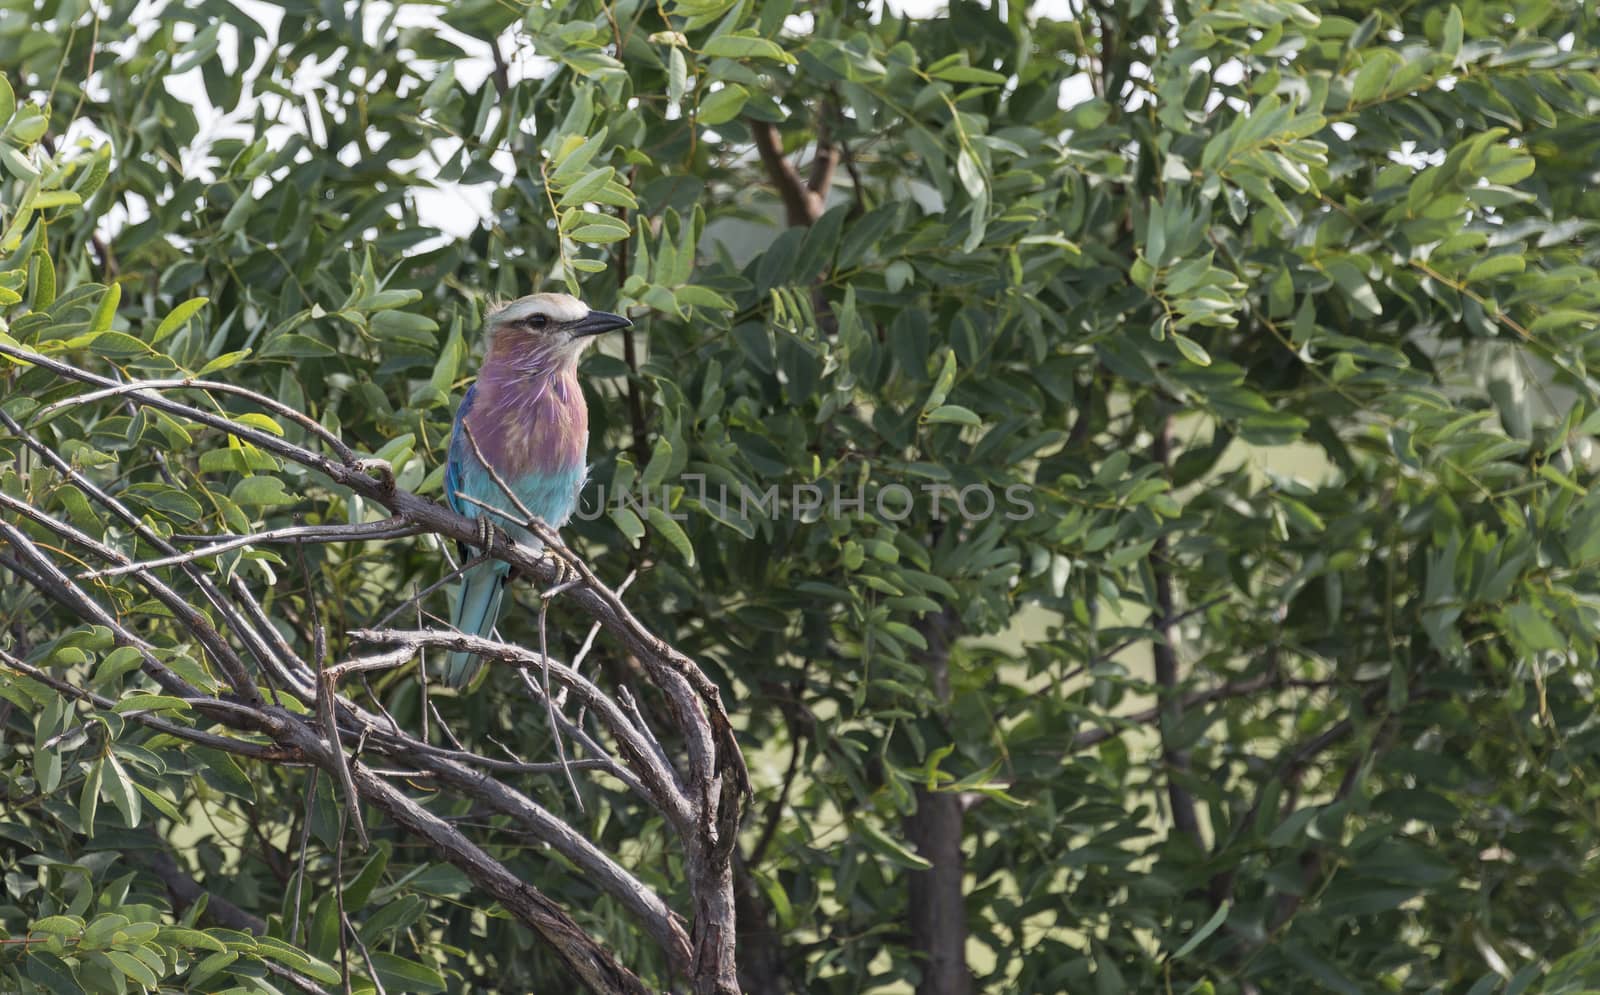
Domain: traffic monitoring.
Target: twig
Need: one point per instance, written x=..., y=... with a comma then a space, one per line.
x=550, y=703
x=389, y=528
x=240, y=747
x=306, y=422
x=305, y=842
x=659, y=778
x=586, y=958
x=588, y=639
x=628, y=702
x=326, y=690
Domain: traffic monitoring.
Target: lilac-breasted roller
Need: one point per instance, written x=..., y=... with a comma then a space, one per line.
x=527, y=416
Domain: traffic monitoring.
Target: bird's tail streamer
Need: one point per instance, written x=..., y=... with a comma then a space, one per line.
x=476, y=611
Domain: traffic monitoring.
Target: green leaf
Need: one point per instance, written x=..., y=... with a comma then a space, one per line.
x=261, y=492
x=399, y=974
x=586, y=186
x=1453, y=32
x=953, y=414
x=56, y=925
x=942, y=384
x=969, y=74
x=1373, y=76
x=745, y=47
x=119, y=662
x=360, y=889
x=1495, y=266
x=895, y=851
x=211, y=966
x=677, y=77
x=106, y=313
x=54, y=198
x=119, y=789
x=265, y=423
x=1192, y=350
x=17, y=164
x=655, y=471
x=178, y=317
x=722, y=106
x=89, y=799
x=132, y=967
x=46, y=969
x=161, y=804
x=1211, y=926
x=146, y=702
x=191, y=939
x=671, y=531
x=628, y=523
x=222, y=362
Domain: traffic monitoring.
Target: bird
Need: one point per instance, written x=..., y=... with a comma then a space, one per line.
x=526, y=416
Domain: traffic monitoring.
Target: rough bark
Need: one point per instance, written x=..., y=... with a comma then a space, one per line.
x=937, y=903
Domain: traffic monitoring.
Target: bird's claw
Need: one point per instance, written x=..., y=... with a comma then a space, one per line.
x=485, y=533
x=565, y=579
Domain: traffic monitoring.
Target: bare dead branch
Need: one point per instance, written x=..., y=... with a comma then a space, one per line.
x=588, y=960
x=389, y=528
x=335, y=443
x=659, y=779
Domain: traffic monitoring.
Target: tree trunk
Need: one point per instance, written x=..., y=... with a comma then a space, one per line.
x=937, y=905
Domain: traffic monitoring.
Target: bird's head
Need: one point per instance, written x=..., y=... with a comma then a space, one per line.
x=540, y=328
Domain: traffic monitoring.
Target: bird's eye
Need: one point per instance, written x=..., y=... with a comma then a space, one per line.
x=538, y=321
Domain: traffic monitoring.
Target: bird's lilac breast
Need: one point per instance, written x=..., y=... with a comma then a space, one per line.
x=530, y=425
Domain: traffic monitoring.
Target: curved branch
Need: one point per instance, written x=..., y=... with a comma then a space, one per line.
x=587, y=959
x=659, y=779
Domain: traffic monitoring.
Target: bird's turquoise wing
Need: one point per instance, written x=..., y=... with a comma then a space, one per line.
x=458, y=458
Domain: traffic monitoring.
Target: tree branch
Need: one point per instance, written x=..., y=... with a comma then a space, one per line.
x=802, y=203
x=579, y=951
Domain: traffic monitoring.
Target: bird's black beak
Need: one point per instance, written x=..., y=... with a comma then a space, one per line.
x=598, y=323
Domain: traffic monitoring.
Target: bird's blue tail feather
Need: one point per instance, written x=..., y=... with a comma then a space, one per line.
x=477, y=609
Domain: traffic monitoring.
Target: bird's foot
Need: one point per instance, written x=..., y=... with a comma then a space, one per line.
x=485, y=533
x=566, y=579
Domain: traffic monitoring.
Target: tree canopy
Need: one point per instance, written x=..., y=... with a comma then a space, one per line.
x=1097, y=498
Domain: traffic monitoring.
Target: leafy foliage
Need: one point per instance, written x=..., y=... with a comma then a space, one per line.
x=1268, y=357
